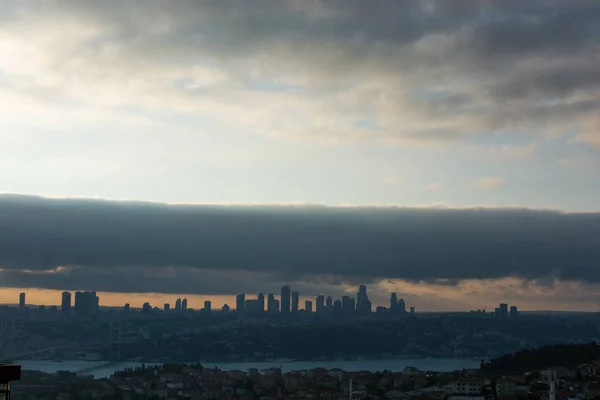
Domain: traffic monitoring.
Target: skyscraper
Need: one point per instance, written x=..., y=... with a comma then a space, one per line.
x=261, y=303
x=65, y=304
x=240, y=302
x=328, y=303
x=308, y=306
x=393, y=302
x=207, y=306
x=363, y=304
x=166, y=307
x=320, y=304
x=178, y=305
x=22, y=300
x=184, y=305
x=78, y=306
x=401, y=307
x=348, y=304
x=503, y=310
x=514, y=311
x=337, y=307
x=285, y=299
x=272, y=304
x=295, y=301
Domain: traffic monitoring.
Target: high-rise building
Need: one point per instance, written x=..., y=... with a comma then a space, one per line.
x=272, y=304
x=348, y=304
x=337, y=307
x=22, y=300
x=184, y=305
x=285, y=299
x=320, y=304
x=240, y=302
x=94, y=302
x=328, y=303
x=393, y=302
x=86, y=302
x=401, y=306
x=514, y=311
x=252, y=307
x=146, y=308
x=65, y=304
x=207, y=306
x=295, y=301
x=261, y=303
x=166, y=307
x=363, y=304
x=308, y=306
x=503, y=310
x=178, y=305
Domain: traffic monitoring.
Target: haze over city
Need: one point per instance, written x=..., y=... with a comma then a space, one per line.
x=443, y=150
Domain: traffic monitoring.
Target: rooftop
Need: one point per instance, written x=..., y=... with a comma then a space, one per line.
x=9, y=372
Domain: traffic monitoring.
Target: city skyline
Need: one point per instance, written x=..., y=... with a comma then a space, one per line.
x=88, y=303
x=443, y=149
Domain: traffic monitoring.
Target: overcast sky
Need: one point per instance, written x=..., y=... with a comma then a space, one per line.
x=416, y=103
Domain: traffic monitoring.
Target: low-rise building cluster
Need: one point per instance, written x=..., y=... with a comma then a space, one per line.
x=194, y=382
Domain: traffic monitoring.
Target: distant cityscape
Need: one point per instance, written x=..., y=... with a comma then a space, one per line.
x=287, y=304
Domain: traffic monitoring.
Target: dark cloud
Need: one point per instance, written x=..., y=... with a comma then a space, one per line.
x=134, y=246
x=484, y=52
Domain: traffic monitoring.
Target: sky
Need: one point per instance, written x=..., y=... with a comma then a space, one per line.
x=346, y=114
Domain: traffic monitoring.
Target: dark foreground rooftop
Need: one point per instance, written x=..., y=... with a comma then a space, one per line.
x=9, y=372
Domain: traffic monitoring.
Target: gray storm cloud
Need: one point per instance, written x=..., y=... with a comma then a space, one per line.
x=141, y=247
x=421, y=70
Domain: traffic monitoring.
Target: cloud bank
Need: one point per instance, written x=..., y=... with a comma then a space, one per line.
x=153, y=247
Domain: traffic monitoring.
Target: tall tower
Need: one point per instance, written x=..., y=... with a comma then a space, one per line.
x=286, y=294
x=22, y=300
x=320, y=304
x=240, y=303
x=393, y=301
x=295, y=301
x=261, y=303
x=65, y=304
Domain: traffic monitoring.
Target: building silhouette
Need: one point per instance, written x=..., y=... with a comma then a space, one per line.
x=393, y=302
x=166, y=307
x=348, y=305
x=295, y=302
x=178, y=305
x=207, y=306
x=320, y=304
x=65, y=304
x=401, y=307
x=308, y=306
x=261, y=303
x=86, y=302
x=21, y=300
x=240, y=302
x=363, y=304
x=272, y=304
x=286, y=294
